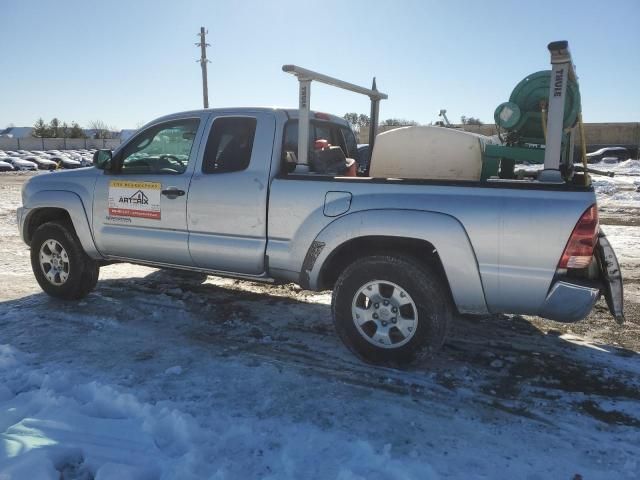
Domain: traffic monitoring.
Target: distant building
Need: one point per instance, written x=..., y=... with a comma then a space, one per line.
x=91, y=133
x=16, y=132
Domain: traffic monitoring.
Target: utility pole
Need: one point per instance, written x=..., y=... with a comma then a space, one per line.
x=203, y=64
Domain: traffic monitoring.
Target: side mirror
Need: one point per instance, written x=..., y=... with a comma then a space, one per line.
x=102, y=159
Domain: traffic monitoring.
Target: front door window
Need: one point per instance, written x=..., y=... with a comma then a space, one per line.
x=162, y=149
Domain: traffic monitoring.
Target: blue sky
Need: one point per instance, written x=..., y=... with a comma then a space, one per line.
x=128, y=62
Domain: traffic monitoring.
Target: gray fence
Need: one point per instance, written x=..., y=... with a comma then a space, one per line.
x=31, y=143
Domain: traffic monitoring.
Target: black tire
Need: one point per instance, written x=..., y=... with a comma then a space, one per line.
x=424, y=287
x=82, y=272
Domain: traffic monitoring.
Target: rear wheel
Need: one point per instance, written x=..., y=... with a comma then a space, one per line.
x=59, y=263
x=391, y=310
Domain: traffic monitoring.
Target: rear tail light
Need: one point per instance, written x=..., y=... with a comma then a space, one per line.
x=579, y=249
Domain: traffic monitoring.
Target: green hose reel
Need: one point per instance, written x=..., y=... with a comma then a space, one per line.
x=522, y=114
x=536, y=125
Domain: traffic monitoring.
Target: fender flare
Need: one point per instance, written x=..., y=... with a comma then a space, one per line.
x=72, y=204
x=444, y=232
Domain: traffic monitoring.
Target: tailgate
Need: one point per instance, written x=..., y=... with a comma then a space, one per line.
x=611, y=277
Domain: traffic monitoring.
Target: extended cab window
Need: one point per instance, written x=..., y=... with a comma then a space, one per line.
x=163, y=148
x=332, y=133
x=229, y=145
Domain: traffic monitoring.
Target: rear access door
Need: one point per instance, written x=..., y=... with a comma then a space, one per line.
x=227, y=200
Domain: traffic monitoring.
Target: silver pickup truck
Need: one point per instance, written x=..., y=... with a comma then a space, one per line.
x=214, y=191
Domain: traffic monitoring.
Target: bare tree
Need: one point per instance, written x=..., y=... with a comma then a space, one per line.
x=470, y=121
x=399, y=122
x=364, y=120
x=101, y=129
x=352, y=118
x=357, y=121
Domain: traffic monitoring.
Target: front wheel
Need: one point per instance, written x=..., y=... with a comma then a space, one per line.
x=59, y=263
x=391, y=310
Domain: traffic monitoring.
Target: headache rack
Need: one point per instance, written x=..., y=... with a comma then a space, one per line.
x=305, y=77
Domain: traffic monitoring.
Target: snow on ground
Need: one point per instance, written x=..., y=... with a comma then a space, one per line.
x=621, y=190
x=626, y=243
x=56, y=423
x=166, y=375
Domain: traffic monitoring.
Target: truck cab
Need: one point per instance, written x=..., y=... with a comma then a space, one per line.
x=206, y=176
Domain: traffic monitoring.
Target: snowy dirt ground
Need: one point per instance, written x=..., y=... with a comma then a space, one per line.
x=161, y=374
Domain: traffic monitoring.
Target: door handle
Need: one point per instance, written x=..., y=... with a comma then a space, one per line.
x=172, y=193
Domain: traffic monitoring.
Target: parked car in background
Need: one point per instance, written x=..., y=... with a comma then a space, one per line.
x=86, y=160
x=5, y=166
x=65, y=162
x=43, y=163
x=621, y=153
x=610, y=160
x=20, y=164
x=84, y=157
x=364, y=156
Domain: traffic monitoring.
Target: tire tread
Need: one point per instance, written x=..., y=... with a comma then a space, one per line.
x=77, y=286
x=426, y=280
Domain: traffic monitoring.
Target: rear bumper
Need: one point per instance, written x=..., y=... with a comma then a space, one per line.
x=569, y=302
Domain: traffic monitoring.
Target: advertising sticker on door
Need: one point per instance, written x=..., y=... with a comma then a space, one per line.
x=134, y=199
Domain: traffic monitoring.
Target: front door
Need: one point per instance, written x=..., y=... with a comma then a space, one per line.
x=227, y=207
x=140, y=207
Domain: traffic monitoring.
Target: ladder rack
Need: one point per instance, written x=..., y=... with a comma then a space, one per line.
x=305, y=77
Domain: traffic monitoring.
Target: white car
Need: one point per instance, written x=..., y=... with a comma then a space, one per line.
x=65, y=162
x=608, y=152
x=86, y=162
x=42, y=162
x=5, y=166
x=20, y=164
x=610, y=160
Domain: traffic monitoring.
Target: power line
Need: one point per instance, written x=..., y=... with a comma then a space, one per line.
x=203, y=64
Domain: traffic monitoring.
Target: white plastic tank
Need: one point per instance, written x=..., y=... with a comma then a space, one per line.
x=436, y=153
